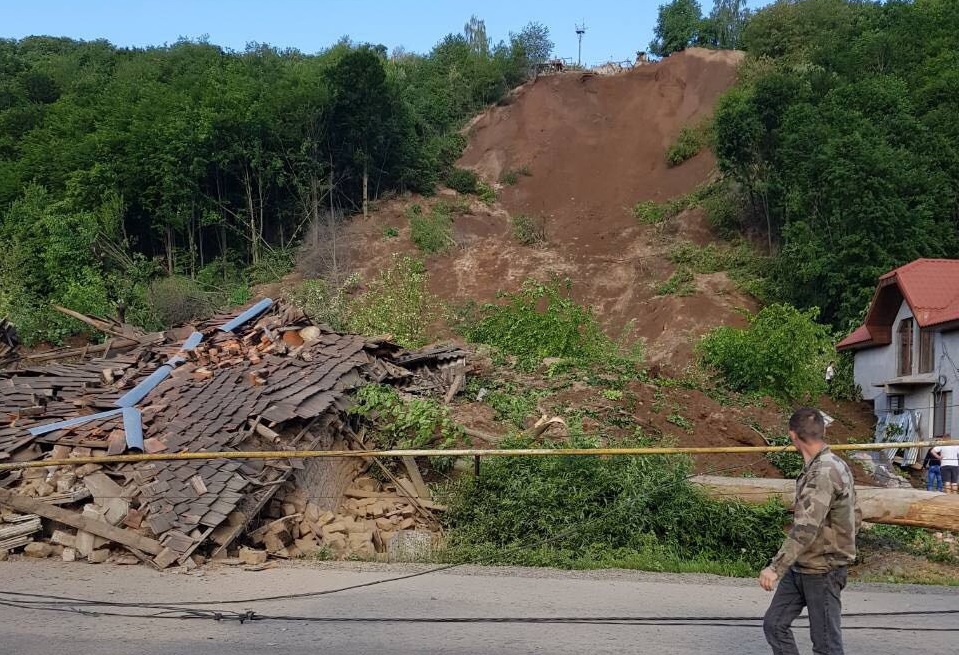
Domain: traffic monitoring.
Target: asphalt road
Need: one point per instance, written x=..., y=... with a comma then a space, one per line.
x=462, y=592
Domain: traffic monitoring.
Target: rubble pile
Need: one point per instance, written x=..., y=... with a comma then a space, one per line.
x=262, y=379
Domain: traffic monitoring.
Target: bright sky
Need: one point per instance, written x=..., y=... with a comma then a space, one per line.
x=615, y=29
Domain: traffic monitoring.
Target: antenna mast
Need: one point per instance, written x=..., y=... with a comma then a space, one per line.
x=580, y=31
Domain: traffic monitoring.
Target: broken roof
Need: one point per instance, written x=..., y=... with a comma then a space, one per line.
x=265, y=378
x=929, y=286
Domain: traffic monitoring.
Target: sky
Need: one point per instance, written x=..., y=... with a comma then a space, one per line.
x=615, y=29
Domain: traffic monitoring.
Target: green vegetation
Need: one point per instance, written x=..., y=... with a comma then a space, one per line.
x=782, y=353
x=397, y=303
x=585, y=512
x=120, y=167
x=843, y=140
x=690, y=142
x=681, y=24
x=528, y=230
x=916, y=541
x=325, y=303
x=390, y=232
x=462, y=180
x=433, y=232
x=486, y=193
x=406, y=423
x=745, y=266
x=680, y=283
x=650, y=212
x=543, y=321
x=510, y=176
x=510, y=402
x=789, y=464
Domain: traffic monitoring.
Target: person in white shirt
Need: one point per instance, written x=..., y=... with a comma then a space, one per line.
x=830, y=374
x=949, y=454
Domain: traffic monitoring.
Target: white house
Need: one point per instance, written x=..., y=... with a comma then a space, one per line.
x=907, y=351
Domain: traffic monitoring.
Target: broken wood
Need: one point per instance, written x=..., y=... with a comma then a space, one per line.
x=80, y=522
x=924, y=509
x=416, y=478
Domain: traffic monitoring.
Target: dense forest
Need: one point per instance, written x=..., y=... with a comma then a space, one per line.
x=131, y=178
x=146, y=179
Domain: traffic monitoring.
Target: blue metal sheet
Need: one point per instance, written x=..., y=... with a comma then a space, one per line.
x=70, y=423
x=192, y=342
x=252, y=312
x=175, y=361
x=139, y=392
x=133, y=427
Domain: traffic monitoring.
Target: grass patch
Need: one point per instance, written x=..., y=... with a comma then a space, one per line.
x=690, y=142
x=915, y=541
x=510, y=402
x=511, y=176
x=789, y=464
x=396, y=303
x=543, y=321
x=746, y=267
x=528, y=230
x=650, y=212
x=680, y=283
x=486, y=193
x=390, y=232
x=432, y=233
x=585, y=512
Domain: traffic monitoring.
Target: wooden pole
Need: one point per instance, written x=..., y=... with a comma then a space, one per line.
x=924, y=509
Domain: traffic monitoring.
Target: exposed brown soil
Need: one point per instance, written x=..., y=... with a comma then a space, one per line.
x=594, y=146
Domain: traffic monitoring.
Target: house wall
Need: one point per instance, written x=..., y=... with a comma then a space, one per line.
x=875, y=366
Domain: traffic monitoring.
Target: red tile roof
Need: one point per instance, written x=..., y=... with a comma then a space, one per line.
x=859, y=337
x=929, y=286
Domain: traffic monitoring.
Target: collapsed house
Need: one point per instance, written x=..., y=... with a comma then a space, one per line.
x=262, y=379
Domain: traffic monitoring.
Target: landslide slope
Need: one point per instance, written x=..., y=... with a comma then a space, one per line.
x=593, y=146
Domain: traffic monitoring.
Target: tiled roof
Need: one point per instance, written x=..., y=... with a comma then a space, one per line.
x=929, y=286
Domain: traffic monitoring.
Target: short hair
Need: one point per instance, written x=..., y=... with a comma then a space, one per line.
x=808, y=424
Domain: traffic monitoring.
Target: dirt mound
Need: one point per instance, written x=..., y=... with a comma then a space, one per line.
x=590, y=148
x=595, y=144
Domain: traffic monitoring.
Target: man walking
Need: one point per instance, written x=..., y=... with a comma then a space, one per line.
x=811, y=565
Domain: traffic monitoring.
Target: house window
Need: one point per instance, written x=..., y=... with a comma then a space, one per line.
x=895, y=404
x=942, y=416
x=905, y=346
x=925, y=351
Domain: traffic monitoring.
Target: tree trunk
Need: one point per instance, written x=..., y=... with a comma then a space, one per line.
x=924, y=509
x=251, y=217
x=366, y=189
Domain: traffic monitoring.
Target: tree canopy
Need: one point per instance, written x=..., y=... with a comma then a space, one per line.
x=843, y=137
x=182, y=159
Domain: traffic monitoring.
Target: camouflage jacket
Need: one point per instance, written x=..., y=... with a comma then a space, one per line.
x=823, y=536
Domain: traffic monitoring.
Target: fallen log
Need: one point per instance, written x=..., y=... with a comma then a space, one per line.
x=913, y=507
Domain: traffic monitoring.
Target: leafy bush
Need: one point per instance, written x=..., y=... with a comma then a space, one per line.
x=790, y=464
x=486, y=193
x=432, y=233
x=688, y=144
x=529, y=231
x=680, y=283
x=783, y=353
x=590, y=511
x=462, y=180
x=399, y=423
x=397, y=303
x=543, y=321
x=844, y=385
x=390, y=232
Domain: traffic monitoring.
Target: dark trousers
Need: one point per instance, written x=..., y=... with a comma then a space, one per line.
x=820, y=593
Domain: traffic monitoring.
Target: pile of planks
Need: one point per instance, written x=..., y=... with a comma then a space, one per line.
x=261, y=379
x=16, y=530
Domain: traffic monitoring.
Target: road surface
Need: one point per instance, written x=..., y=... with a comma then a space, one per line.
x=467, y=592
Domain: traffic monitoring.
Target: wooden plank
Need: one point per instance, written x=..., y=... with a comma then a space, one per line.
x=417, y=479
x=80, y=522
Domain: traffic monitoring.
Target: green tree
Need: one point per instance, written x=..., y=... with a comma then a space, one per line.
x=678, y=26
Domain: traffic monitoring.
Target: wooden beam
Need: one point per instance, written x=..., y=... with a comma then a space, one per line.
x=417, y=478
x=924, y=509
x=80, y=522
